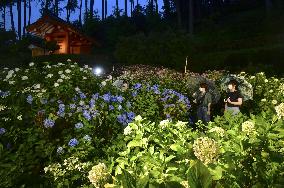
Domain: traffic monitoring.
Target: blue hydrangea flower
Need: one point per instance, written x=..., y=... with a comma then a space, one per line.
x=29, y=99
x=155, y=89
x=2, y=130
x=82, y=95
x=72, y=106
x=87, y=138
x=75, y=98
x=137, y=86
x=79, y=125
x=107, y=97
x=73, y=142
x=111, y=107
x=4, y=94
x=119, y=99
x=122, y=119
x=48, y=123
x=61, y=110
x=87, y=115
x=60, y=150
x=168, y=116
x=95, y=96
x=134, y=93
x=130, y=115
x=94, y=113
x=92, y=103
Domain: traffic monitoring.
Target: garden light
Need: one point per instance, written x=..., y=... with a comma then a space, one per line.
x=97, y=71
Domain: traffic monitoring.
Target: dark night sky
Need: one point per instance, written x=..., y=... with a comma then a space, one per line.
x=74, y=15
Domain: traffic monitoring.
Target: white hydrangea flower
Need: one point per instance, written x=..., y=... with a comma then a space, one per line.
x=220, y=131
x=263, y=100
x=60, y=72
x=25, y=77
x=280, y=110
x=127, y=130
x=36, y=86
x=19, y=117
x=59, y=80
x=248, y=127
x=206, y=150
x=56, y=84
x=67, y=71
x=274, y=102
x=271, y=91
x=265, y=80
x=31, y=64
x=103, y=83
x=17, y=69
x=164, y=123
x=2, y=107
x=84, y=78
x=72, y=66
x=99, y=175
x=49, y=76
x=69, y=60
x=138, y=118
x=252, y=77
x=11, y=82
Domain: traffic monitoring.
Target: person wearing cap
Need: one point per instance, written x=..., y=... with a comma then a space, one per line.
x=233, y=99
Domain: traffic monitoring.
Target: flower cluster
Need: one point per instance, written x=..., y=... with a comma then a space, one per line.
x=248, y=127
x=48, y=123
x=73, y=142
x=206, y=150
x=220, y=131
x=69, y=165
x=2, y=130
x=280, y=110
x=99, y=175
x=126, y=118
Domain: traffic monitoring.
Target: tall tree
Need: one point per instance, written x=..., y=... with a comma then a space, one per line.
x=11, y=3
x=30, y=12
x=19, y=8
x=86, y=9
x=103, y=9
x=156, y=6
x=25, y=17
x=3, y=5
x=116, y=8
x=80, y=14
x=70, y=7
x=131, y=7
x=125, y=7
x=167, y=9
x=92, y=2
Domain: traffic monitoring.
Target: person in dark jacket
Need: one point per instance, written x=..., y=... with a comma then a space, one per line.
x=204, y=100
x=233, y=99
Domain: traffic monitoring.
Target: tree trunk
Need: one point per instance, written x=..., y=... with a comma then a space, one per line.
x=86, y=9
x=80, y=14
x=30, y=12
x=116, y=7
x=103, y=9
x=25, y=17
x=4, y=17
x=190, y=16
x=12, y=16
x=19, y=8
x=178, y=9
x=92, y=8
x=125, y=7
x=156, y=6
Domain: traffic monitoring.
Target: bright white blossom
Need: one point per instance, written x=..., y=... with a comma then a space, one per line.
x=19, y=117
x=59, y=80
x=99, y=175
x=127, y=130
x=68, y=71
x=220, y=131
x=280, y=110
x=206, y=150
x=31, y=64
x=248, y=127
x=25, y=77
x=60, y=72
x=49, y=76
x=263, y=100
x=274, y=102
x=56, y=84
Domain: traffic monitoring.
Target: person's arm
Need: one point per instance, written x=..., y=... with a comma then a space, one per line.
x=209, y=109
x=239, y=103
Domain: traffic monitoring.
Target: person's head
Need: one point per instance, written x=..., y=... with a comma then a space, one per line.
x=203, y=87
x=233, y=85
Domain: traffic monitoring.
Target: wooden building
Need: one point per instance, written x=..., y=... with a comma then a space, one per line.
x=69, y=38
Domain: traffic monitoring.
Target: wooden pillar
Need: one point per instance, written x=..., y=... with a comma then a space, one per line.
x=67, y=43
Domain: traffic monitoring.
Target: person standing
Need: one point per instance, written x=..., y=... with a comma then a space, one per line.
x=233, y=99
x=204, y=100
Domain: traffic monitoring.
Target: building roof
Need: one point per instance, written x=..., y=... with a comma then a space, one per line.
x=49, y=22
